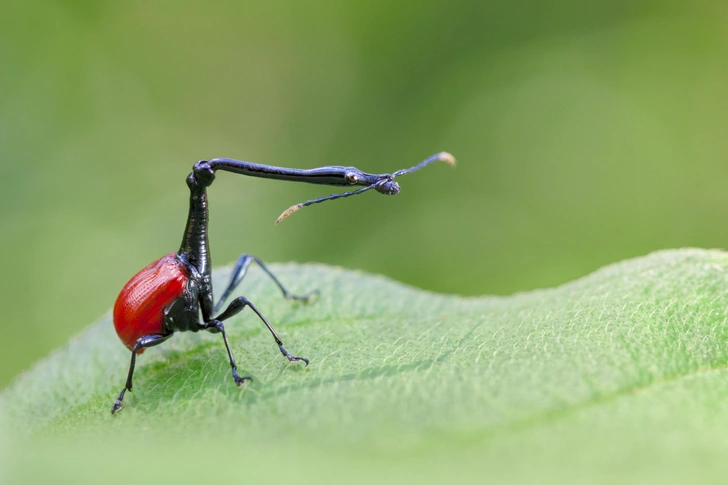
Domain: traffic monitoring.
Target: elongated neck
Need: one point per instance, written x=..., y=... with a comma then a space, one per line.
x=331, y=175
x=195, y=243
x=322, y=176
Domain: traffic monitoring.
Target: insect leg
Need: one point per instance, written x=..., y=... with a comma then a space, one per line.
x=142, y=343
x=238, y=273
x=238, y=305
x=216, y=326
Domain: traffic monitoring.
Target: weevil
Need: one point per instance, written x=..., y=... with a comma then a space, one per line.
x=174, y=293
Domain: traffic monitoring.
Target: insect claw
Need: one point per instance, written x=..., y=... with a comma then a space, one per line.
x=304, y=298
x=240, y=381
x=290, y=357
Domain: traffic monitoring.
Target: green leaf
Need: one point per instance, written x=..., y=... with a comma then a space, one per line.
x=617, y=377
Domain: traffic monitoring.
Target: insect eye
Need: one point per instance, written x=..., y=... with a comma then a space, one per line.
x=352, y=177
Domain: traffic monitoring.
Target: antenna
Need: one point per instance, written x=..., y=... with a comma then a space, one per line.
x=384, y=184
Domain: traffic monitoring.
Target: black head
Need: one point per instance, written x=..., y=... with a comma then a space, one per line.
x=389, y=187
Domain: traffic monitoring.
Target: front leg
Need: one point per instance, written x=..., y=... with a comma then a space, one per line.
x=216, y=326
x=238, y=305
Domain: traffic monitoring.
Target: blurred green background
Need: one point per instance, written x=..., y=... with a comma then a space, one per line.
x=586, y=132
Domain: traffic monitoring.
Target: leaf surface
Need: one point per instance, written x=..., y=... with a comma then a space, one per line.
x=620, y=375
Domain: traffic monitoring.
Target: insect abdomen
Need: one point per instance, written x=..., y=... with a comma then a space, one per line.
x=139, y=308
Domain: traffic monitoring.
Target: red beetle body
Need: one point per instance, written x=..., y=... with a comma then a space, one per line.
x=139, y=309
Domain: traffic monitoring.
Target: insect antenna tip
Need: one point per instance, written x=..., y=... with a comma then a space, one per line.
x=288, y=212
x=446, y=157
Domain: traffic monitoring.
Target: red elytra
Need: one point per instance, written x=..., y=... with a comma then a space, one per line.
x=139, y=309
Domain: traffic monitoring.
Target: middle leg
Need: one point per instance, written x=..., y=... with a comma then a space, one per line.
x=216, y=326
x=238, y=273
